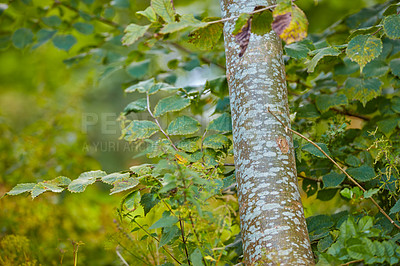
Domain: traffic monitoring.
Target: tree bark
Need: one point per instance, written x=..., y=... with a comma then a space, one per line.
x=274, y=231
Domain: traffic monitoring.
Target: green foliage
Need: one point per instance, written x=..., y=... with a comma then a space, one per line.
x=364, y=48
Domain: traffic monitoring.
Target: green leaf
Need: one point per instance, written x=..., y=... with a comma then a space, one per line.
x=240, y=23
x=189, y=144
x=141, y=87
x=221, y=124
x=140, y=129
x=391, y=26
x=326, y=194
x=136, y=106
x=169, y=235
x=165, y=221
x=196, y=258
x=319, y=221
x=138, y=70
x=84, y=28
x=64, y=42
x=171, y=104
x=352, y=160
x=21, y=188
x=133, y=32
x=395, y=104
x=161, y=86
x=299, y=50
x=43, y=35
x=333, y=179
x=314, y=151
x=185, y=22
x=123, y=184
x=387, y=126
x=85, y=179
x=362, y=90
x=290, y=22
x=52, y=21
x=307, y=111
x=319, y=54
x=183, y=125
x=141, y=170
x=149, y=14
x=362, y=173
x=261, y=22
x=218, y=86
x=364, y=48
x=395, y=67
x=207, y=37
x=365, y=223
x=148, y=201
x=348, y=229
x=324, y=102
x=370, y=192
x=114, y=177
x=22, y=38
x=216, y=142
x=375, y=68
x=164, y=9
x=394, y=209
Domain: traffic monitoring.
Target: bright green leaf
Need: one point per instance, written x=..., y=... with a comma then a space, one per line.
x=84, y=28
x=141, y=87
x=165, y=221
x=324, y=102
x=261, y=22
x=362, y=173
x=133, y=32
x=365, y=223
x=139, y=69
x=196, y=258
x=22, y=38
x=189, y=144
x=85, y=179
x=141, y=170
x=171, y=104
x=149, y=14
x=183, y=125
x=21, y=188
x=221, y=124
x=314, y=151
x=124, y=184
x=240, y=23
x=185, y=22
x=391, y=26
x=140, y=129
x=362, y=90
x=319, y=54
x=164, y=9
x=370, y=192
x=216, y=142
x=64, y=42
x=136, y=106
x=364, y=48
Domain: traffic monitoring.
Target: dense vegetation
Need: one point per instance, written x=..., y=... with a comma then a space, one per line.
x=60, y=59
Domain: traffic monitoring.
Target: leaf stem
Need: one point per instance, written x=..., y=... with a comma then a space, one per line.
x=158, y=124
x=337, y=165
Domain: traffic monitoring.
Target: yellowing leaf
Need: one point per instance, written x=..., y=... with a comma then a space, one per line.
x=290, y=22
x=364, y=48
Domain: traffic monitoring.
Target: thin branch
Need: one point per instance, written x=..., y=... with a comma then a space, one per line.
x=351, y=262
x=120, y=257
x=158, y=124
x=337, y=165
x=183, y=238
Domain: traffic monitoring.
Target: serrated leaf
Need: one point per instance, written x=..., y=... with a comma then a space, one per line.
x=133, y=32
x=185, y=22
x=140, y=129
x=165, y=221
x=52, y=21
x=299, y=50
x=307, y=111
x=314, y=151
x=290, y=22
x=395, y=101
x=365, y=223
x=136, y=106
x=114, y=177
x=164, y=9
x=395, y=66
x=183, y=125
x=124, y=184
x=391, y=26
x=43, y=35
x=149, y=14
x=21, y=188
x=363, y=173
x=216, y=142
x=333, y=179
x=189, y=144
x=85, y=179
x=375, y=68
x=141, y=170
x=324, y=102
x=196, y=258
x=362, y=31
x=207, y=37
x=169, y=234
x=394, y=209
x=319, y=54
x=148, y=201
x=319, y=221
x=261, y=22
x=84, y=28
x=161, y=86
x=64, y=42
x=240, y=23
x=362, y=90
x=22, y=37
x=171, y=104
x=221, y=124
x=370, y=192
x=364, y=48
x=141, y=87
x=387, y=126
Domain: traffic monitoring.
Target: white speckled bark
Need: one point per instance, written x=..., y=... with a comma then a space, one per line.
x=274, y=230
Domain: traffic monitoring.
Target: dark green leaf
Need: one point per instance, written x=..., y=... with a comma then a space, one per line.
x=43, y=35
x=395, y=66
x=148, y=201
x=141, y=87
x=326, y=194
x=218, y=86
x=375, y=68
x=169, y=235
x=387, y=126
x=22, y=38
x=310, y=187
x=333, y=179
x=183, y=125
x=64, y=42
x=165, y=221
x=171, y=104
x=324, y=102
x=140, y=129
x=391, y=26
x=221, y=124
x=240, y=23
x=319, y=54
x=52, y=21
x=352, y=160
x=316, y=152
x=299, y=50
x=138, y=70
x=396, y=104
x=324, y=243
x=84, y=28
x=196, y=258
x=362, y=173
x=261, y=22
x=307, y=111
x=136, y=106
x=362, y=90
x=394, y=209
x=319, y=221
x=364, y=48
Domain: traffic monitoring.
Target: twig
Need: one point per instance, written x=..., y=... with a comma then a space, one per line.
x=351, y=262
x=120, y=256
x=158, y=124
x=337, y=165
x=183, y=239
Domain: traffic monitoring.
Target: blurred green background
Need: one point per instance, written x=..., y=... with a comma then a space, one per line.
x=61, y=119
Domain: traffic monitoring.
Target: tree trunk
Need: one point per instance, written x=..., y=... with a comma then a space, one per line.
x=273, y=226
